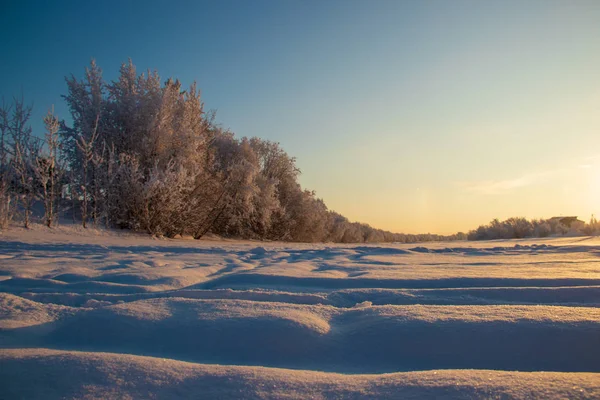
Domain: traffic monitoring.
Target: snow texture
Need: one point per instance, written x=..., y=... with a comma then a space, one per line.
x=87, y=314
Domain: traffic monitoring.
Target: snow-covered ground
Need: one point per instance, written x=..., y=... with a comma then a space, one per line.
x=102, y=314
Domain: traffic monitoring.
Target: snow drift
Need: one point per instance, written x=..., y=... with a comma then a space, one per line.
x=130, y=316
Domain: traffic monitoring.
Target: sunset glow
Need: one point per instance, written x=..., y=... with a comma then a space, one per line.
x=410, y=116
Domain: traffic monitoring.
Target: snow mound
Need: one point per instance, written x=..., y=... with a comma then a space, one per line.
x=105, y=375
x=364, y=338
x=17, y=312
x=259, y=251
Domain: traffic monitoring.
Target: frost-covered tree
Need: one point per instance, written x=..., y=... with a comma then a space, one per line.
x=158, y=134
x=85, y=99
x=145, y=155
x=239, y=165
x=22, y=149
x=517, y=228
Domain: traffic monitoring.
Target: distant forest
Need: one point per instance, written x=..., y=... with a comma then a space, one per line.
x=144, y=155
x=518, y=228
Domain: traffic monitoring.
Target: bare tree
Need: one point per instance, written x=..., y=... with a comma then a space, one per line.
x=97, y=181
x=6, y=206
x=48, y=171
x=86, y=148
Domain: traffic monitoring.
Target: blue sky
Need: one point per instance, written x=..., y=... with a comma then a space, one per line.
x=412, y=116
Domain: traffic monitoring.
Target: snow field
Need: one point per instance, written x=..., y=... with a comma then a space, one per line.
x=125, y=315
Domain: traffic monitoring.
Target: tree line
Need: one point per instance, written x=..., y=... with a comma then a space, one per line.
x=519, y=227
x=144, y=155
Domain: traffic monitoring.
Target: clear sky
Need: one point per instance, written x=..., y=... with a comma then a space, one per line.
x=412, y=116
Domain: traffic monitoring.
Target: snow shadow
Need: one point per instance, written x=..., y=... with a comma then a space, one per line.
x=361, y=340
x=247, y=280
